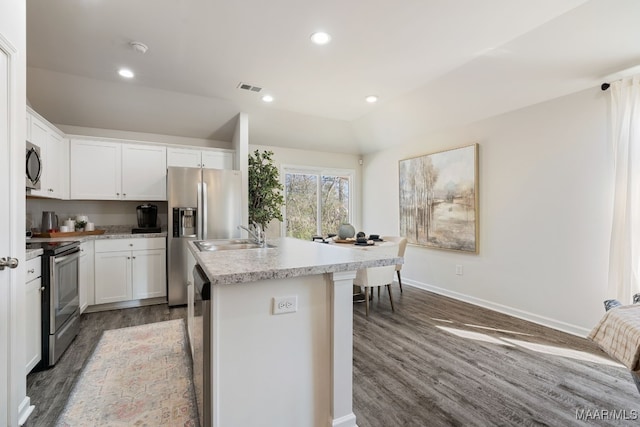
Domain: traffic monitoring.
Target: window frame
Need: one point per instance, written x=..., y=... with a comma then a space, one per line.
x=319, y=172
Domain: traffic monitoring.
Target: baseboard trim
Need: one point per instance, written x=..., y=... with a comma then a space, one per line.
x=348, y=420
x=125, y=304
x=24, y=410
x=525, y=315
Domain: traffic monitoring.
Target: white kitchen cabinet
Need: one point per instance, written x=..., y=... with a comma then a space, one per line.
x=95, y=170
x=86, y=291
x=108, y=170
x=54, y=152
x=32, y=324
x=195, y=158
x=148, y=273
x=217, y=160
x=130, y=269
x=144, y=172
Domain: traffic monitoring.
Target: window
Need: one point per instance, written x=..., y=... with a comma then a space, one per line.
x=316, y=201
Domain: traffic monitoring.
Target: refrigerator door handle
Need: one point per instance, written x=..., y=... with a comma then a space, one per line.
x=204, y=210
x=199, y=213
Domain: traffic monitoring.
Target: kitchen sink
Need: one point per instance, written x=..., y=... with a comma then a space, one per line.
x=227, y=245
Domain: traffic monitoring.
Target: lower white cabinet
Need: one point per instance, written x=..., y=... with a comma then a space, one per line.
x=33, y=325
x=86, y=291
x=130, y=269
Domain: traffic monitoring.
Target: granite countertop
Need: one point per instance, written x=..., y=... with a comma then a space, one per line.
x=288, y=258
x=111, y=232
x=33, y=253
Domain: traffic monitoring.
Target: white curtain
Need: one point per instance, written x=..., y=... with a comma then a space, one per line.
x=624, y=254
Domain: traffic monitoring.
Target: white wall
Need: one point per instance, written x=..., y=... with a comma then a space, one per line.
x=545, y=211
x=141, y=136
x=294, y=157
x=100, y=212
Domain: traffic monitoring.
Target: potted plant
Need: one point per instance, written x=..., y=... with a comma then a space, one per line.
x=265, y=189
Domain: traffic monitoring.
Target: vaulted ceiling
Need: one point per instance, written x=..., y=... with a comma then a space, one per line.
x=432, y=63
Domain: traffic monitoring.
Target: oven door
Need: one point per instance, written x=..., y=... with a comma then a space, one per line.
x=33, y=167
x=65, y=301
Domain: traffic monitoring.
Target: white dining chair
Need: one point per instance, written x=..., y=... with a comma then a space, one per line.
x=371, y=277
x=402, y=246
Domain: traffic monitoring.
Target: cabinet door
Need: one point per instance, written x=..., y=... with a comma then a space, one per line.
x=95, y=170
x=86, y=290
x=149, y=273
x=144, y=172
x=184, y=158
x=217, y=160
x=112, y=276
x=57, y=178
x=32, y=325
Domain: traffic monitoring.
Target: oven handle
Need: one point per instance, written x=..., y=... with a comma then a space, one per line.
x=59, y=259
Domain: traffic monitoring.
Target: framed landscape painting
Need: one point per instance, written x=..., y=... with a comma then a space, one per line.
x=439, y=199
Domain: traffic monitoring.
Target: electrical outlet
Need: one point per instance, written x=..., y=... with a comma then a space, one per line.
x=283, y=305
x=459, y=269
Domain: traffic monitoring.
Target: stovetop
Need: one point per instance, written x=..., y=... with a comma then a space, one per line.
x=53, y=247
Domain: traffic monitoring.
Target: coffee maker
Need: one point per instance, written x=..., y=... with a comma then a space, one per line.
x=147, y=219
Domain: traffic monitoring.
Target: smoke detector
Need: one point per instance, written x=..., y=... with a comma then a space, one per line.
x=139, y=47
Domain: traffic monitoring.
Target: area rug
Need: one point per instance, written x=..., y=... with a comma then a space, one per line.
x=137, y=376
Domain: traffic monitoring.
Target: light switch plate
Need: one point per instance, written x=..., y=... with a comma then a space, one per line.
x=287, y=304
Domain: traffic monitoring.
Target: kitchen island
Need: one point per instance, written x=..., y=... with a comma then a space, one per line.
x=289, y=369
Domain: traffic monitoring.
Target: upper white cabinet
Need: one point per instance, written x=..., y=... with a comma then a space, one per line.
x=54, y=152
x=107, y=170
x=195, y=158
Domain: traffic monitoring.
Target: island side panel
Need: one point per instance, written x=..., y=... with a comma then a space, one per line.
x=341, y=300
x=272, y=368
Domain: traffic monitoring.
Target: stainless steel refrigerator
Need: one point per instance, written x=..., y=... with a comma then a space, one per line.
x=202, y=204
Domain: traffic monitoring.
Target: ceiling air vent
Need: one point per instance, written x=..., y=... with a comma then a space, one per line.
x=249, y=87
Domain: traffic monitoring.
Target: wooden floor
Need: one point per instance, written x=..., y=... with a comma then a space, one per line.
x=434, y=362
x=440, y=362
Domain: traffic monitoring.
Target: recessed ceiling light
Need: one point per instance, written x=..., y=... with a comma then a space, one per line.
x=371, y=99
x=320, y=38
x=267, y=98
x=126, y=73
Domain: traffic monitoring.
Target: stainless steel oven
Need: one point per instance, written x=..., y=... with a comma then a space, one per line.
x=60, y=299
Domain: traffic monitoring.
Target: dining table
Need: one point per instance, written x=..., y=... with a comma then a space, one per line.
x=371, y=245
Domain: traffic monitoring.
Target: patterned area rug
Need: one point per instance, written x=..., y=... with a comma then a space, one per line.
x=138, y=376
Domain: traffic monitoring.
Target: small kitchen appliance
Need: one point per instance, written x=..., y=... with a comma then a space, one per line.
x=49, y=222
x=147, y=219
x=33, y=166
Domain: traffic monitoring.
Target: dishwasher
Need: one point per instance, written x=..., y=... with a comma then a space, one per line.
x=200, y=335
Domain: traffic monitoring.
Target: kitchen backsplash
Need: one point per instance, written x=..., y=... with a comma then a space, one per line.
x=101, y=212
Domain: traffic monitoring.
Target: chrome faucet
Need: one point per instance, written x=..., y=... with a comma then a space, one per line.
x=256, y=232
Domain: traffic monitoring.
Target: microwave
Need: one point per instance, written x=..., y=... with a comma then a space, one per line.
x=34, y=166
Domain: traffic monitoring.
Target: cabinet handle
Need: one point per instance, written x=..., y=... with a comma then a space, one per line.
x=124, y=194
x=42, y=289
x=130, y=244
x=134, y=257
x=31, y=270
x=51, y=190
x=117, y=194
x=128, y=257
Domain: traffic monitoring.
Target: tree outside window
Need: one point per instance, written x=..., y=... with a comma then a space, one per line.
x=317, y=202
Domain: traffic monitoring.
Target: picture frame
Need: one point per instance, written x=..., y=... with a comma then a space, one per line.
x=439, y=199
